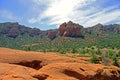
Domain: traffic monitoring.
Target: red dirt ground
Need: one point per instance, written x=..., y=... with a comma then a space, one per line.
x=28, y=65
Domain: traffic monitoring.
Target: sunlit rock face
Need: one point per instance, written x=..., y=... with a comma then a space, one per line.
x=70, y=29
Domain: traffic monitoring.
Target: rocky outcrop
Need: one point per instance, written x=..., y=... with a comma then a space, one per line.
x=16, y=72
x=98, y=30
x=52, y=34
x=114, y=28
x=51, y=66
x=34, y=32
x=81, y=71
x=60, y=71
x=15, y=29
x=101, y=30
x=70, y=29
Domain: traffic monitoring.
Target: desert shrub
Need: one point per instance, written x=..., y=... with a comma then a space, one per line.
x=62, y=51
x=115, y=60
x=81, y=51
x=94, y=59
x=86, y=50
x=44, y=50
x=91, y=51
x=27, y=48
x=93, y=47
x=74, y=56
x=105, y=57
x=111, y=52
x=119, y=53
x=74, y=50
x=98, y=52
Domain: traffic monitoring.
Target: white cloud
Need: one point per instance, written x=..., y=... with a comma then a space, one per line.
x=102, y=16
x=32, y=20
x=59, y=11
x=63, y=10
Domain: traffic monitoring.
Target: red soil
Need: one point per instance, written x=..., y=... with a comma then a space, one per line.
x=25, y=65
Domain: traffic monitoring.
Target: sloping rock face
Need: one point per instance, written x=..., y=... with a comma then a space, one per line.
x=70, y=29
x=16, y=72
x=52, y=34
x=98, y=30
x=81, y=71
x=25, y=65
x=15, y=29
x=115, y=28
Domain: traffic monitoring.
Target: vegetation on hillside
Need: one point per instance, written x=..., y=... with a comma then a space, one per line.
x=101, y=44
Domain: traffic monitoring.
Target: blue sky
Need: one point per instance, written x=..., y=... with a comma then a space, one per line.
x=49, y=14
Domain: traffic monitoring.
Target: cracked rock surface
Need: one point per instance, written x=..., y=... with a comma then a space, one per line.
x=25, y=65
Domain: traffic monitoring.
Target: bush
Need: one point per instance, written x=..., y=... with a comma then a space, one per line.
x=27, y=48
x=115, y=60
x=74, y=50
x=94, y=59
x=105, y=57
x=119, y=53
x=62, y=51
x=98, y=52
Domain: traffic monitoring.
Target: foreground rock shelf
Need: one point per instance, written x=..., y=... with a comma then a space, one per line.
x=24, y=65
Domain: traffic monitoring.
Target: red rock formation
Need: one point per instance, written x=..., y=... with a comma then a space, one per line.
x=15, y=29
x=51, y=35
x=62, y=29
x=34, y=31
x=16, y=72
x=13, y=32
x=51, y=67
x=70, y=29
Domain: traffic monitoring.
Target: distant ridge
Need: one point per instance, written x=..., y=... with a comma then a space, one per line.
x=70, y=29
x=69, y=35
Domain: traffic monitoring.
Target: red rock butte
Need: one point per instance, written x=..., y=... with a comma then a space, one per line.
x=70, y=29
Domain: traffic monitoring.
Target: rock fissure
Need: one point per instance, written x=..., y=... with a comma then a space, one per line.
x=32, y=64
x=40, y=77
